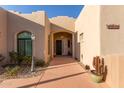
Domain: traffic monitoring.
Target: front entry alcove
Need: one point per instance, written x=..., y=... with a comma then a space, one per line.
x=62, y=44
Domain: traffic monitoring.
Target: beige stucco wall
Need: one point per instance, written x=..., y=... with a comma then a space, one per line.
x=47, y=34
x=3, y=33
x=77, y=47
x=88, y=23
x=62, y=23
x=112, y=44
x=112, y=40
x=34, y=23
x=114, y=65
x=115, y=70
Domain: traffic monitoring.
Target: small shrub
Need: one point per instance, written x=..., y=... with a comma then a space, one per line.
x=39, y=62
x=20, y=59
x=12, y=71
x=87, y=67
x=13, y=56
x=27, y=60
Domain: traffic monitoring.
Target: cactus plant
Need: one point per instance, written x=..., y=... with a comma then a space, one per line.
x=97, y=74
x=98, y=64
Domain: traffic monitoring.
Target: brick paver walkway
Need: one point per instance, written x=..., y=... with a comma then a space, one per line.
x=63, y=72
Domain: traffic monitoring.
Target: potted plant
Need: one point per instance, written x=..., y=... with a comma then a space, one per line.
x=97, y=74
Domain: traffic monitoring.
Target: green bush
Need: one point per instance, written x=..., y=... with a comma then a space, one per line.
x=12, y=71
x=13, y=56
x=20, y=59
x=39, y=62
x=16, y=58
x=27, y=60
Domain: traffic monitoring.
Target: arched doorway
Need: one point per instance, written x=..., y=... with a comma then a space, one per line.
x=24, y=43
x=62, y=44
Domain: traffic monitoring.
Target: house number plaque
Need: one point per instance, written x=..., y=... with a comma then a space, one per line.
x=113, y=26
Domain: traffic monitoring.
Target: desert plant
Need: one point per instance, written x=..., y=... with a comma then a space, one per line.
x=12, y=71
x=13, y=56
x=98, y=64
x=27, y=60
x=39, y=62
x=97, y=74
x=20, y=59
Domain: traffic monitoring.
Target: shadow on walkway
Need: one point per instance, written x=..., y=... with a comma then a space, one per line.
x=51, y=80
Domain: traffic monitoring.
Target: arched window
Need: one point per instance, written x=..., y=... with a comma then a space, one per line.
x=24, y=43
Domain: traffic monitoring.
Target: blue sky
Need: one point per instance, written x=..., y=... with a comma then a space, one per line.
x=52, y=10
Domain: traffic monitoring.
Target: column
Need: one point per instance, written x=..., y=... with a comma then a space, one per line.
x=52, y=46
x=73, y=46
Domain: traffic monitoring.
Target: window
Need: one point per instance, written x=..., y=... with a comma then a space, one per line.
x=24, y=44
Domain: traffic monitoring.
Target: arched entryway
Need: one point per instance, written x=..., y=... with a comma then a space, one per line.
x=62, y=44
x=24, y=43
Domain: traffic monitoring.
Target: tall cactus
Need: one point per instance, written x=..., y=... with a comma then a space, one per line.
x=98, y=64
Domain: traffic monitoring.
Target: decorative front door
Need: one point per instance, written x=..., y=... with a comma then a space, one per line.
x=58, y=47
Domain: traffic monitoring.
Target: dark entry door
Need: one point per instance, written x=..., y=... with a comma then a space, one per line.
x=58, y=47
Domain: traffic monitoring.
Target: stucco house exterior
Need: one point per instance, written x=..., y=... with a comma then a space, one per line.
x=54, y=36
x=98, y=31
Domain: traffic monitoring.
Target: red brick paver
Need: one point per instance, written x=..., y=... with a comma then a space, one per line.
x=63, y=72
